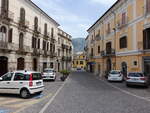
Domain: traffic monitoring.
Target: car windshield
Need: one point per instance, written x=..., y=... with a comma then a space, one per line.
x=36, y=76
x=135, y=75
x=114, y=72
x=48, y=71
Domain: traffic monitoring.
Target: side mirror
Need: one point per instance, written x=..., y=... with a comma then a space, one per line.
x=1, y=79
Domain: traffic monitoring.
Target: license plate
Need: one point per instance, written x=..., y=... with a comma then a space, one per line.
x=38, y=83
x=134, y=79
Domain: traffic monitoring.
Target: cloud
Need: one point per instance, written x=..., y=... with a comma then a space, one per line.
x=69, y=21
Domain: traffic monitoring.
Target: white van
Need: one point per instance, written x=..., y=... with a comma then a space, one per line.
x=23, y=83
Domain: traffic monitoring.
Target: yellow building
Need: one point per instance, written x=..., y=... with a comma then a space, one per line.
x=79, y=61
x=120, y=39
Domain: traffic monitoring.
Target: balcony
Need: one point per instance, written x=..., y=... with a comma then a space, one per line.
x=64, y=46
x=46, y=35
x=122, y=23
x=24, y=49
x=53, y=54
x=108, y=53
x=69, y=59
x=53, y=40
x=36, y=52
x=37, y=30
x=23, y=24
x=6, y=14
x=6, y=47
x=98, y=37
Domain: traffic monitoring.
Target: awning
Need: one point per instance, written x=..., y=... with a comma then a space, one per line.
x=91, y=63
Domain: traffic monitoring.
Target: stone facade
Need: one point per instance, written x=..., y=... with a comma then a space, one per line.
x=65, y=50
x=120, y=39
x=28, y=37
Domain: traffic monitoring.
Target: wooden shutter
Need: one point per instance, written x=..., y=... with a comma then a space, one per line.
x=10, y=35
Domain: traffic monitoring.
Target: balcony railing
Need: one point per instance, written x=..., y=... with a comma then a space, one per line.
x=24, y=49
x=110, y=52
x=23, y=24
x=6, y=14
x=122, y=23
x=8, y=46
x=36, y=30
x=98, y=37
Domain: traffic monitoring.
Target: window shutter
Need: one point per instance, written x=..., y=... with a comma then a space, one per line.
x=148, y=6
x=10, y=35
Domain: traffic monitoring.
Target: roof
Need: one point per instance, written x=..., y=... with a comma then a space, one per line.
x=25, y=71
x=44, y=12
x=104, y=14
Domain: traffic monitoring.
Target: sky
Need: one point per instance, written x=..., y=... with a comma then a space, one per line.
x=75, y=16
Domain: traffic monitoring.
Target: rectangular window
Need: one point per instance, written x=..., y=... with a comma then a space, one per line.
x=123, y=42
x=123, y=18
x=98, y=49
x=10, y=35
x=38, y=43
x=81, y=62
x=148, y=6
x=146, y=39
x=77, y=62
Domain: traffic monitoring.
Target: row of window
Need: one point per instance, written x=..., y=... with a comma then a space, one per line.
x=22, y=21
x=122, y=42
x=78, y=62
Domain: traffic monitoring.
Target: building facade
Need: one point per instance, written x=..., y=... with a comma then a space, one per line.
x=28, y=37
x=79, y=61
x=65, y=51
x=119, y=39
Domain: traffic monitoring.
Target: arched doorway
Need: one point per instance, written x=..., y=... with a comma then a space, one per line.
x=35, y=64
x=20, y=63
x=108, y=65
x=124, y=68
x=3, y=65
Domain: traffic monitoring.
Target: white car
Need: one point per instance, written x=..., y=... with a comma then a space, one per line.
x=115, y=75
x=23, y=83
x=49, y=74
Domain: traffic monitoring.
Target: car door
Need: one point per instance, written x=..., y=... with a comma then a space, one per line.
x=6, y=83
x=20, y=80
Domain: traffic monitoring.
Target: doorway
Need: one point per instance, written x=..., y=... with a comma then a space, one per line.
x=3, y=65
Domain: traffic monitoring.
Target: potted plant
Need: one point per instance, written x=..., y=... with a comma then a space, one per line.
x=65, y=74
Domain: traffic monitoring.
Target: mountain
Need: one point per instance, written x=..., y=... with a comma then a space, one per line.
x=78, y=44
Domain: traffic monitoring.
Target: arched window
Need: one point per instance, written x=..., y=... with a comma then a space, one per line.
x=22, y=15
x=35, y=23
x=3, y=29
x=3, y=32
x=21, y=40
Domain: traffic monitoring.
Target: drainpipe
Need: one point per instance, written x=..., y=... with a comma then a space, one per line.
x=115, y=37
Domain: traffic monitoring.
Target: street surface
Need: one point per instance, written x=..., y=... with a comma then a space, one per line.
x=81, y=93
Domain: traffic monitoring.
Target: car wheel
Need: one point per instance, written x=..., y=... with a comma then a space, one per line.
x=39, y=92
x=24, y=93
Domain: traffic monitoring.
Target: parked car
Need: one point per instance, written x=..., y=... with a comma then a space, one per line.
x=136, y=78
x=115, y=75
x=23, y=83
x=49, y=74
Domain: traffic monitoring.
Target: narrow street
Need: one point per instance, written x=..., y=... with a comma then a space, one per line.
x=85, y=94
x=82, y=93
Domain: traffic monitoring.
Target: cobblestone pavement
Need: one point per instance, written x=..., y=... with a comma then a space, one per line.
x=82, y=93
